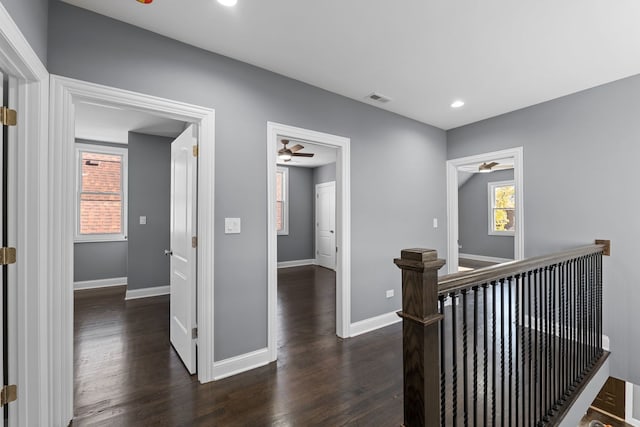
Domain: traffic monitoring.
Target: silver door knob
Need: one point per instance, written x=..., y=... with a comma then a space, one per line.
x=168, y=252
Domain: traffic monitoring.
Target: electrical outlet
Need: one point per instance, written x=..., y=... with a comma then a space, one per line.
x=390, y=293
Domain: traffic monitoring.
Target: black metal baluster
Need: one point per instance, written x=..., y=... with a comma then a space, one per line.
x=475, y=356
x=563, y=329
x=493, y=353
x=485, y=355
x=454, y=359
x=510, y=350
x=599, y=286
x=545, y=361
x=465, y=358
x=519, y=353
x=502, y=374
x=536, y=328
x=530, y=354
x=555, y=377
x=443, y=376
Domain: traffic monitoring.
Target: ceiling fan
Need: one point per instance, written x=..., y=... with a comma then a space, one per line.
x=487, y=167
x=287, y=153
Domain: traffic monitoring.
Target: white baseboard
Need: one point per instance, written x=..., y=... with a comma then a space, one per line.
x=242, y=363
x=147, y=292
x=101, y=283
x=484, y=258
x=373, y=323
x=296, y=263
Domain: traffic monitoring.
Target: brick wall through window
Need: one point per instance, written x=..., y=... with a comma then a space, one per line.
x=101, y=193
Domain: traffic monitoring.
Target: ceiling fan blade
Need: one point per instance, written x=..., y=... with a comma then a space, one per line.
x=296, y=147
x=492, y=164
x=303, y=154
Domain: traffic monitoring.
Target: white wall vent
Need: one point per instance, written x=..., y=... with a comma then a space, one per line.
x=378, y=97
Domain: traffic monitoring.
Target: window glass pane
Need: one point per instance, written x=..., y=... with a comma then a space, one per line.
x=504, y=220
x=279, y=218
x=100, y=214
x=101, y=173
x=279, y=186
x=505, y=197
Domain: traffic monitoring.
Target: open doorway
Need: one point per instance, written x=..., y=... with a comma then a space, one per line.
x=326, y=248
x=196, y=125
x=485, y=210
x=134, y=261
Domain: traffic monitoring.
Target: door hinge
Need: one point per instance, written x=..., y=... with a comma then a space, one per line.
x=194, y=242
x=8, y=394
x=195, y=151
x=8, y=117
x=194, y=333
x=7, y=256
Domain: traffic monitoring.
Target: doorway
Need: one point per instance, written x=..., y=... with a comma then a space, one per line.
x=503, y=224
x=66, y=95
x=342, y=231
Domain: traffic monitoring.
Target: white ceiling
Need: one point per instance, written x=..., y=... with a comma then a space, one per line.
x=323, y=155
x=109, y=124
x=496, y=55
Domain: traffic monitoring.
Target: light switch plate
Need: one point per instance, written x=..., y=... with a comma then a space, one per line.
x=435, y=222
x=232, y=225
x=143, y=220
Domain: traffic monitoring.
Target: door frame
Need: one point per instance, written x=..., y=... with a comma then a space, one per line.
x=452, y=201
x=343, y=226
x=64, y=93
x=315, y=229
x=29, y=279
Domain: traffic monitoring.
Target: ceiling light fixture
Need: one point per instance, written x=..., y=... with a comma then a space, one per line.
x=487, y=167
x=457, y=104
x=228, y=3
x=285, y=155
x=145, y=1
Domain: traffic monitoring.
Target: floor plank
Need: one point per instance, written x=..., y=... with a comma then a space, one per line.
x=127, y=374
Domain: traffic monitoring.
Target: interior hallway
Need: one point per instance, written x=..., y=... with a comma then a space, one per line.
x=126, y=372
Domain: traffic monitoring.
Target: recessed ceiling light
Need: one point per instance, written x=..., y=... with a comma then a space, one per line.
x=457, y=104
x=228, y=2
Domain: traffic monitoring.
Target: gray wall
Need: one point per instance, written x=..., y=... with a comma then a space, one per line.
x=326, y=173
x=397, y=175
x=149, y=195
x=473, y=217
x=580, y=165
x=31, y=18
x=99, y=260
x=299, y=244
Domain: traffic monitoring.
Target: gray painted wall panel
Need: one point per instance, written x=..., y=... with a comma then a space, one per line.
x=31, y=18
x=326, y=173
x=299, y=244
x=473, y=217
x=392, y=201
x=100, y=260
x=150, y=196
x=580, y=162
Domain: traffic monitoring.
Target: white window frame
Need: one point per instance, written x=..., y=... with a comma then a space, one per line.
x=102, y=149
x=285, y=202
x=491, y=186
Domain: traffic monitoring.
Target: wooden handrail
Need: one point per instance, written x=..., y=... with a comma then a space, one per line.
x=465, y=280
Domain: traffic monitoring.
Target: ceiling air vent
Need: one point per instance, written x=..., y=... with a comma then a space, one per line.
x=378, y=97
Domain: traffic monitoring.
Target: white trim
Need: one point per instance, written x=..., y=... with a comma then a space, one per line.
x=452, y=201
x=343, y=227
x=242, y=363
x=285, y=201
x=29, y=279
x=296, y=263
x=65, y=92
x=100, y=283
x=373, y=323
x=147, y=292
x=491, y=188
x=581, y=403
x=628, y=405
x=483, y=258
x=124, y=183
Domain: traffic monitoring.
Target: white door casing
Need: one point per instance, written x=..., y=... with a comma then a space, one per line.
x=184, y=172
x=326, y=225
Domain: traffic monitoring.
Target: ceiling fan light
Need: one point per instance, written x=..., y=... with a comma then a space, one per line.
x=285, y=155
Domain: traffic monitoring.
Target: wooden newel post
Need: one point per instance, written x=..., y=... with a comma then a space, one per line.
x=420, y=340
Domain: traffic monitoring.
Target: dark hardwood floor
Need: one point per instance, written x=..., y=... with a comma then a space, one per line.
x=127, y=374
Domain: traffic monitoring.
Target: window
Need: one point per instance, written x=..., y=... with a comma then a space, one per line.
x=502, y=208
x=101, y=193
x=282, y=200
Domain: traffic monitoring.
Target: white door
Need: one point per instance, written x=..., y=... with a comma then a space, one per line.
x=326, y=225
x=183, y=252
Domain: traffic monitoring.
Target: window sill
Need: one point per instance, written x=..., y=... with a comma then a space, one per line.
x=100, y=240
x=502, y=233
